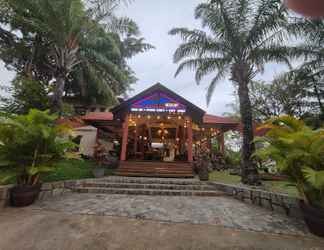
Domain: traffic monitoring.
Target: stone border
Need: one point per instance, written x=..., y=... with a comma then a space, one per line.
x=48, y=189
x=277, y=202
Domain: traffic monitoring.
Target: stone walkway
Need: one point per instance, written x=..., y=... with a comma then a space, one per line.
x=222, y=211
x=31, y=229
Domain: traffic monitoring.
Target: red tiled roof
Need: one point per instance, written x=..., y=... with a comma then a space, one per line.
x=73, y=122
x=99, y=116
x=260, y=131
x=213, y=119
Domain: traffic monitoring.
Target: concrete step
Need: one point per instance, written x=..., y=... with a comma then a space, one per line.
x=154, y=174
x=160, y=186
x=145, y=180
x=161, y=192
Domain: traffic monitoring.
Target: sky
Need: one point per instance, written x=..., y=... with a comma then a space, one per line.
x=155, y=19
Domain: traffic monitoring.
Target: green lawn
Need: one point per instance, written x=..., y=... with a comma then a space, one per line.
x=64, y=170
x=273, y=186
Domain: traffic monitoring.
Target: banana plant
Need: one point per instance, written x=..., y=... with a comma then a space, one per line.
x=298, y=152
x=31, y=144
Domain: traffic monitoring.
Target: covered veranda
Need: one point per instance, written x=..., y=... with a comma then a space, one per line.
x=161, y=128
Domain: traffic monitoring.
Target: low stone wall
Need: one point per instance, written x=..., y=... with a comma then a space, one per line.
x=48, y=190
x=275, y=201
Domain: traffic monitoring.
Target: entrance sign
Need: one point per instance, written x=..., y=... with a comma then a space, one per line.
x=158, y=102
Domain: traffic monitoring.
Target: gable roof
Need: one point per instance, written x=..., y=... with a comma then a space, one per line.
x=98, y=116
x=121, y=109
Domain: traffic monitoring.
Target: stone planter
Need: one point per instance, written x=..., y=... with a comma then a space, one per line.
x=21, y=196
x=98, y=172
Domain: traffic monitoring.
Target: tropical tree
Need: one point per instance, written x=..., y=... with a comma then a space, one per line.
x=311, y=34
x=61, y=23
x=284, y=95
x=239, y=38
x=80, y=52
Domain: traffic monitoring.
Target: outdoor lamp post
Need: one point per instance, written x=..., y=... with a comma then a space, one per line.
x=311, y=8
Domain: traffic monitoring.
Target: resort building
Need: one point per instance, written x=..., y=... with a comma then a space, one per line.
x=161, y=127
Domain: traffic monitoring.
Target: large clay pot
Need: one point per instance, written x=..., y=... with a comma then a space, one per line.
x=311, y=8
x=21, y=196
x=314, y=218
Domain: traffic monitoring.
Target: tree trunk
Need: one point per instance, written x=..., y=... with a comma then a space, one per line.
x=249, y=171
x=56, y=105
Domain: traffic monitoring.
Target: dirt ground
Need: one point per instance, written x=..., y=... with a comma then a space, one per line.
x=30, y=229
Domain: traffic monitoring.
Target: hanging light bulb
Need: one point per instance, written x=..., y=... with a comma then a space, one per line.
x=158, y=117
x=148, y=117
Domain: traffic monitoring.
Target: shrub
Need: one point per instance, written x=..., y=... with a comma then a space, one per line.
x=299, y=153
x=30, y=144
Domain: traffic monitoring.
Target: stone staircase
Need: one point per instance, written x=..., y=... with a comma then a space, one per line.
x=147, y=186
x=155, y=169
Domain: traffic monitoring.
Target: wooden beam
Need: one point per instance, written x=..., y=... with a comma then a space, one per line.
x=189, y=133
x=124, y=140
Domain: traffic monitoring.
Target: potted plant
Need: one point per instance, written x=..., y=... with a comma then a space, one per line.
x=99, y=155
x=29, y=146
x=299, y=154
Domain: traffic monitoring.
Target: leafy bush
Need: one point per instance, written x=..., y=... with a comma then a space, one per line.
x=30, y=144
x=299, y=153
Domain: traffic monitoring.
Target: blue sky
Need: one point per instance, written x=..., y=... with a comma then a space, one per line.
x=155, y=19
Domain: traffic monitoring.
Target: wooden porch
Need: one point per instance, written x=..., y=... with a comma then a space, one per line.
x=155, y=169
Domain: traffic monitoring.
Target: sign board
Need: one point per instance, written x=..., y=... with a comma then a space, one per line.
x=158, y=102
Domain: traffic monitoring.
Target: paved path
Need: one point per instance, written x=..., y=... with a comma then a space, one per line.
x=223, y=211
x=31, y=229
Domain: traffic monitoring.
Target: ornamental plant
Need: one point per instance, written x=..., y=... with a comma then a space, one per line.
x=298, y=152
x=30, y=145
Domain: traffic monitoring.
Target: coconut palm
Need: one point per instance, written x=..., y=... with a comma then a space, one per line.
x=239, y=38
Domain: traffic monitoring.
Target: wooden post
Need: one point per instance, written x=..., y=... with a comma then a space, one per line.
x=135, y=141
x=124, y=140
x=189, y=133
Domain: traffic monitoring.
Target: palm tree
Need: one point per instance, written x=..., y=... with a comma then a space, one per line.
x=60, y=22
x=240, y=37
x=311, y=72
x=103, y=72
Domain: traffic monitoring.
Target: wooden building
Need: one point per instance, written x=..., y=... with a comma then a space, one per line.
x=159, y=132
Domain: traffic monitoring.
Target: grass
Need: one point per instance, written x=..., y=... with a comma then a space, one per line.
x=273, y=186
x=63, y=170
